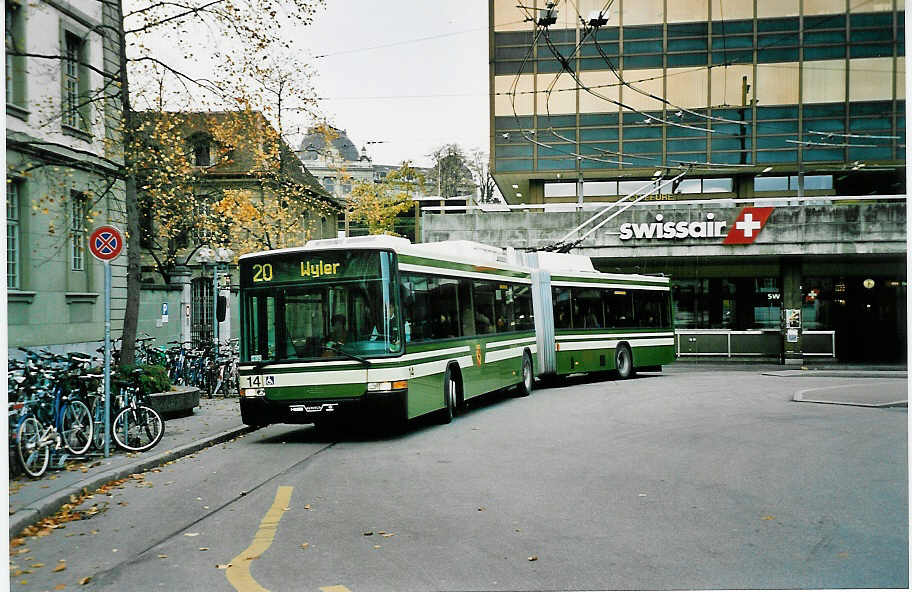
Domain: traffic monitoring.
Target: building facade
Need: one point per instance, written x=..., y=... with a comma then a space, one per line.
x=240, y=187
x=332, y=158
x=785, y=120
x=63, y=174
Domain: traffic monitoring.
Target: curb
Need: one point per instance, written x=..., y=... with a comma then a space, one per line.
x=798, y=397
x=839, y=373
x=48, y=506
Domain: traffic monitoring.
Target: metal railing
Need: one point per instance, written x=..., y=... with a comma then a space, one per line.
x=721, y=202
x=751, y=343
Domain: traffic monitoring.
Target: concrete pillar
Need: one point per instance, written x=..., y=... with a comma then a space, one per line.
x=181, y=277
x=792, y=299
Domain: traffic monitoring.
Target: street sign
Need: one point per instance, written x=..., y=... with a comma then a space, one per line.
x=105, y=243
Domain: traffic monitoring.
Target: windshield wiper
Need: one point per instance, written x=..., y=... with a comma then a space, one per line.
x=348, y=355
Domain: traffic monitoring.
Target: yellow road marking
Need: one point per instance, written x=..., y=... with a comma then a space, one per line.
x=238, y=573
x=334, y=589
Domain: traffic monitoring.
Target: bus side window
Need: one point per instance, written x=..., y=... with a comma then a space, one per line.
x=416, y=308
x=504, y=309
x=484, y=307
x=466, y=308
x=618, y=308
x=444, y=309
x=562, y=315
x=522, y=296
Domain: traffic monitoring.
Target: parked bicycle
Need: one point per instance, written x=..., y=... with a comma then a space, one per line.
x=49, y=420
x=136, y=426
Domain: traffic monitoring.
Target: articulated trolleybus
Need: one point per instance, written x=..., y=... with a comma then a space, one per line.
x=397, y=330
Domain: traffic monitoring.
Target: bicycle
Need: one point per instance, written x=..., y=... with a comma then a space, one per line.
x=48, y=417
x=136, y=427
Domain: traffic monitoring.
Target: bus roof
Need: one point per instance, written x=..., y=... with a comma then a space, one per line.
x=459, y=251
x=464, y=251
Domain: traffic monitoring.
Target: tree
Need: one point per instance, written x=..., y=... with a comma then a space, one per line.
x=450, y=172
x=480, y=165
x=236, y=184
x=244, y=29
x=378, y=205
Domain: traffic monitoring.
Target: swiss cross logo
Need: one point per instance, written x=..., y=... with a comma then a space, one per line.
x=747, y=226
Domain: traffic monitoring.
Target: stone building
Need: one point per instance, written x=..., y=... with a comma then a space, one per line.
x=63, y=175
x=226, y=153
x=332, y=158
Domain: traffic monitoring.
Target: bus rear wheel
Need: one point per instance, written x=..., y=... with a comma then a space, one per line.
x=524, y=388
x=623, y=361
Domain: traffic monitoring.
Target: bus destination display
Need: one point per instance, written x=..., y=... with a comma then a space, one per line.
x=297, y=267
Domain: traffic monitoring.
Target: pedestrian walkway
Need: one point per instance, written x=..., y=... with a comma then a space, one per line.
x=214, y=421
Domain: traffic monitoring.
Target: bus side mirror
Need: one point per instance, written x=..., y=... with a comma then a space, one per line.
x=221, y=308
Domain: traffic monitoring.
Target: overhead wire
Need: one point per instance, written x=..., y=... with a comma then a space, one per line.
x=649, y=118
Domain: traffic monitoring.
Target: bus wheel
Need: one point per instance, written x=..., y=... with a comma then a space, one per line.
x=525, y=386
x=449, y=398
x=623, y=361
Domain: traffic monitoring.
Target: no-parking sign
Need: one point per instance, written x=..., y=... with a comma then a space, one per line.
x=105, y=243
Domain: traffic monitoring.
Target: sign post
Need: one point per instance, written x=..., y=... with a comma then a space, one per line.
x=105, y=244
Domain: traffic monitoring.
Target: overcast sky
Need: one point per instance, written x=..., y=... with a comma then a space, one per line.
x=411, y=74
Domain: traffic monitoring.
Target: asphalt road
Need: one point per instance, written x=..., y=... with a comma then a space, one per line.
x=688, y=479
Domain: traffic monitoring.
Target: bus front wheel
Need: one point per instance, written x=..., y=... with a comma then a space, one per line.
x=449, y=397
x=623, y=361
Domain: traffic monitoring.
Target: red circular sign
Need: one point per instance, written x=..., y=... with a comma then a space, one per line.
x=106, y=243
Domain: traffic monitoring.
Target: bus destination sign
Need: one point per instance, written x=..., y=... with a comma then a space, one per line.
x=304, y=267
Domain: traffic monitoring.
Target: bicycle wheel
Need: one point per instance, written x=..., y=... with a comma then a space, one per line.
x=98, y=435
x=76, y=427
x=137, y=429
x=33, y=456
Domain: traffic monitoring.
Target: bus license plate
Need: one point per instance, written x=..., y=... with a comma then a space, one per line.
x=325, y=407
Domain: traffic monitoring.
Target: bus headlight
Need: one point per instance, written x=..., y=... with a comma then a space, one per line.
x=374, y=387
x=253, y=392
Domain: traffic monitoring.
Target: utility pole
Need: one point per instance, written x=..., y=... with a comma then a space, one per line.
x=744, y=88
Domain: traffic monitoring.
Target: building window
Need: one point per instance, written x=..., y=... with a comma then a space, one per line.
x=202, y=156
x=12, y=234
x=78, y=206
x=15, y=85
x=771, y=184
x=202, y=211
x=75, y=78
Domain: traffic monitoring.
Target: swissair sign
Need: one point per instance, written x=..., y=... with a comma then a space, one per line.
x=743, y=231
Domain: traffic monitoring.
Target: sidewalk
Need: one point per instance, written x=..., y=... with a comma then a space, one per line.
x=30, y=500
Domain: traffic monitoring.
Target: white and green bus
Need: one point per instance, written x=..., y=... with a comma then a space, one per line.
x=396, y=330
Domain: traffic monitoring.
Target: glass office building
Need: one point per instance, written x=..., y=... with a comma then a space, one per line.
x=755, y=100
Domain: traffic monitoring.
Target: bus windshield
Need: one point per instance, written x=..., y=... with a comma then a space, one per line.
x=319, y=305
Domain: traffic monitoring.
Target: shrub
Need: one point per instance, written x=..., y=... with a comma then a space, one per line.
x=154, y=379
